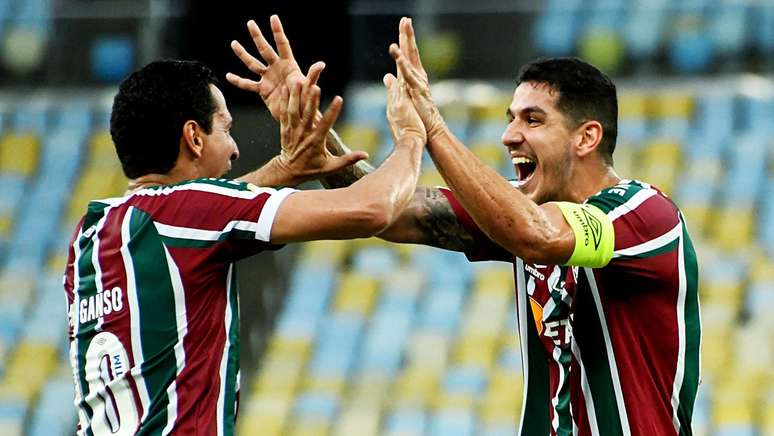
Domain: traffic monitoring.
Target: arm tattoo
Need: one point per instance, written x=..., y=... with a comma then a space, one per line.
x=348, y=175
x=436, y=221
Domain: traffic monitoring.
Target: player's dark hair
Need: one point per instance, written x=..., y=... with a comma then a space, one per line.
x=585, y=94
x=150, y=109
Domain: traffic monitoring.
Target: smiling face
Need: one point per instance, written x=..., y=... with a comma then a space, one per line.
x=219, y=147
x=539, y=140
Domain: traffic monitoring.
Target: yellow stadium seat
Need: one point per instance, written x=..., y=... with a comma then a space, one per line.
x=329, y=251
x=492, y=155
x=456, y=400
x=478, y=351
x=431, y=178
x=19, y=153
x=357, y=293
x=632, y=105
x=278, y=377
x=102, y=152
x=697, y=216
x=290, y=348
x=17, y=285
x=497, y=279
x=358, y=420
x=427, y=350
x=330, y=385
x=6, y=224
x=416, y=386
x=57, y=262
x=624, y=158
x=370, y=390
x=672, y=105
x=492, y=109
x=264, y=414
x=359, y=137
x=308, y=428
x=29, y=367
x=730, y=406
x=733, y=228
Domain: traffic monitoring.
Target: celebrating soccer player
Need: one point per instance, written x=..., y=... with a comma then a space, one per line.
x=606, y=274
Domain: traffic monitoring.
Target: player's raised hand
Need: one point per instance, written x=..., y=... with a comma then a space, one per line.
x=406, y=56
x=402, y=117
x=277, y=71
x=304, y=153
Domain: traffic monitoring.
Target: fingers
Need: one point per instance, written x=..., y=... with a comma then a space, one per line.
x=283, y=45
x=285, y=122
x=311, y=79
x=264, y=48
x=249, y=60
x=293, y=104
x=311, y=104
x=242, y=83
x=388, y=80
x=411, y=44
x=329, y=117
x=340, y=162
x=408, y=73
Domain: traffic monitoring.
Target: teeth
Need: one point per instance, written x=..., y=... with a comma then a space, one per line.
x=521, y=160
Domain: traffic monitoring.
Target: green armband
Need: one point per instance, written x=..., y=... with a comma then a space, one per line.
x=594, y=234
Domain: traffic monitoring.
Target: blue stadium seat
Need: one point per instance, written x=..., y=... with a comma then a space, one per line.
x=441, y=307
x=465, y=380
x=378, y=261
x=452, y=423
x=555, y=33
x=336, y=346
x=764, y=28
x=316, y=406
x=406, y=421
x=31, y=118
x=50, y=416
x=112, y=58
x=382, y=351
x=728, y=27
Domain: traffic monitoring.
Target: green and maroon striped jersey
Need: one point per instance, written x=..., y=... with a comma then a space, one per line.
x=613, y=350
x=153, y=306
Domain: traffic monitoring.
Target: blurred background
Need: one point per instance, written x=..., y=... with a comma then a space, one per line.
x=363, y=337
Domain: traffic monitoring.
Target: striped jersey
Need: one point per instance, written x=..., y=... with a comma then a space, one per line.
x=614, y=350
x=153, y=306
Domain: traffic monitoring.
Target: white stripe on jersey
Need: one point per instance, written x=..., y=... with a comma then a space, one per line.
x=134, y=315
x=622, y=414
x=588, y=399
x=83, y=419
x=631, y=204
x=269, y=211
x=224, y=358
x=202, y=234
x=521, y=295
x=204, y=187
x=681, y=293
x=181, y=318
x=653, y=244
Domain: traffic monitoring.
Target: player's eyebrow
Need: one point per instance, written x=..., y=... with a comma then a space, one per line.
x=533, y=109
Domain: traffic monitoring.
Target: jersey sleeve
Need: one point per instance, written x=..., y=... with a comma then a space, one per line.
x=236, y=216
x=646, y=223
x=484, y=248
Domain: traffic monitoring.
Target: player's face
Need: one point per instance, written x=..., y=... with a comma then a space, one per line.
x=539, y=142
x=219, y=147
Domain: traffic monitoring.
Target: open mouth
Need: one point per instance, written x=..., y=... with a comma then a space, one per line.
x=525, y=169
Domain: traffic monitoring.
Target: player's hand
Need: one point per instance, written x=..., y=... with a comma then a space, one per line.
x=304, y=154
x=406, y=56
x=402, y=117
x=278, y=72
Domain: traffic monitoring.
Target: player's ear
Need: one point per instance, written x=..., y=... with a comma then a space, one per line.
x=191, y=138
x=589, y=137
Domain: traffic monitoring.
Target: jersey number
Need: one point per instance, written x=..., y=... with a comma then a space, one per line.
x=110, y=396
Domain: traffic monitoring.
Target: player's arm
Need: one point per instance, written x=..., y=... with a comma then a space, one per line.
x=553, y=233
x=369, y=205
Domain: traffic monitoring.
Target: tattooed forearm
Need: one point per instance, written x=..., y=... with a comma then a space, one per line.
x=429, y=220
x=348, y=175
x=438, y=224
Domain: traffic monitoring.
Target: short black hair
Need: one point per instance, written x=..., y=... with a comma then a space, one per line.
x=585, y=94
x=150, y=109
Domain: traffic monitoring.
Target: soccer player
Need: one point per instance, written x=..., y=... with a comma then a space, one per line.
x=606, y=274
x=150, y=280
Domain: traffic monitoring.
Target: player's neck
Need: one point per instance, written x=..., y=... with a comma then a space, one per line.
x=175, y=175
x=594, y=179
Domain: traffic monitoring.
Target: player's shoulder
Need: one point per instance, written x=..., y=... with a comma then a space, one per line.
x=629, y=195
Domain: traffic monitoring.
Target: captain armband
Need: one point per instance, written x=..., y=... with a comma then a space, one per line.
x=594, y=234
